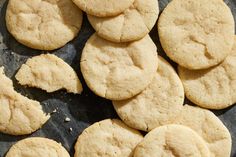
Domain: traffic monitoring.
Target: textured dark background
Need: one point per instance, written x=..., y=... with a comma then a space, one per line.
x=83, y=109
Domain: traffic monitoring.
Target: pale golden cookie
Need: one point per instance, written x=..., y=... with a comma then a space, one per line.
x=107, y=138
x=172, y=141
x=18, y=114
x=118, y=71
x=103, y=8
x=37, y=147
x=133, y=24
x=197, y=34
x=213, y=88
x=209, y=127
x=49, y=73
x=43, y=24
x=158, y=104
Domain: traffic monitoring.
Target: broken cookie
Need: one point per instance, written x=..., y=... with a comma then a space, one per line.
x=50, y=73
x=18, y=114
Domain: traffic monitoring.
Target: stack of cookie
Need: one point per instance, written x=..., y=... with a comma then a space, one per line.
x=123, y=20
x=199, y=36
x=120, y=63
x=43, y=25
x=148, y=94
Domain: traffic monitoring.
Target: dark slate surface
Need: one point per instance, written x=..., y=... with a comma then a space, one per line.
x=83, y=110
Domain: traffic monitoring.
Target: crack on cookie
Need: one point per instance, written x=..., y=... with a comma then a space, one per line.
x=167, y=148
x=206, y=52
x=229, y=83
x=125, y=19
x=4, y=125
x=122, y=28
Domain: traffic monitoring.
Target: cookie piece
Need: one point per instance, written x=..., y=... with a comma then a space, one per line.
x=197, y=34
x=43, y=24
x=37, y=147
x=217, y=85
x=50, y=73
x=103, y=8
x=18, y=114
x=209, y=127
x=110, y=138
x=172, y=140
x=133, y=24
x=118, y=71
x=158, y=104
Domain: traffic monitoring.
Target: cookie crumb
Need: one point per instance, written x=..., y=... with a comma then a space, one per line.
x=54, y=111
x=67, y=119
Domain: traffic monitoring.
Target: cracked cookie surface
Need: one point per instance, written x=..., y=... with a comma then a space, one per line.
x=37, y=147
x=18, y=114
x=217, y=84
x=118, y=71
x=103, y=8
x=158, y=104
x=107, y=138
x=133, y=24
x=209, y=127
x=43, y=24
x=196, y=34
x=172, y=141
x=50, y=73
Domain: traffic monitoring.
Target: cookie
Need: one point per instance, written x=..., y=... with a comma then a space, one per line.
x=158, y=104
x=133, y=24
x=118, y=71
x=37, y=147
x=110, y=138
x=217, y=85
x=18, y=114
x=172, y=140
x=50, y=73
x=43, y=25
x=101, y=8
x=197, y=34
x=209, y=127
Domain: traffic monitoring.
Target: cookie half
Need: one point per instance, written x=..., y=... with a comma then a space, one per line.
x=133, y=24
x=50, y=73
x=209, y=127
x=37, y=147
x=118, y=71
x=159, y=104
x=43, y=25
x=18, y=114
x=172, y=140
x=197, y=34
x=213, y=88
x=110, y=138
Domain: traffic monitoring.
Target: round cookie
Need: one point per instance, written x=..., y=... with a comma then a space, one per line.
x=103, y=8
x=49, y=73
x=217, y=85
x=37, y=147
x=209, y=127
x=172, y=140
x=43, y=25
x=158, y=104
x=107, y=138
x=18, y=114
x=118, y=71
x=197, y=34
x=133, y=24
